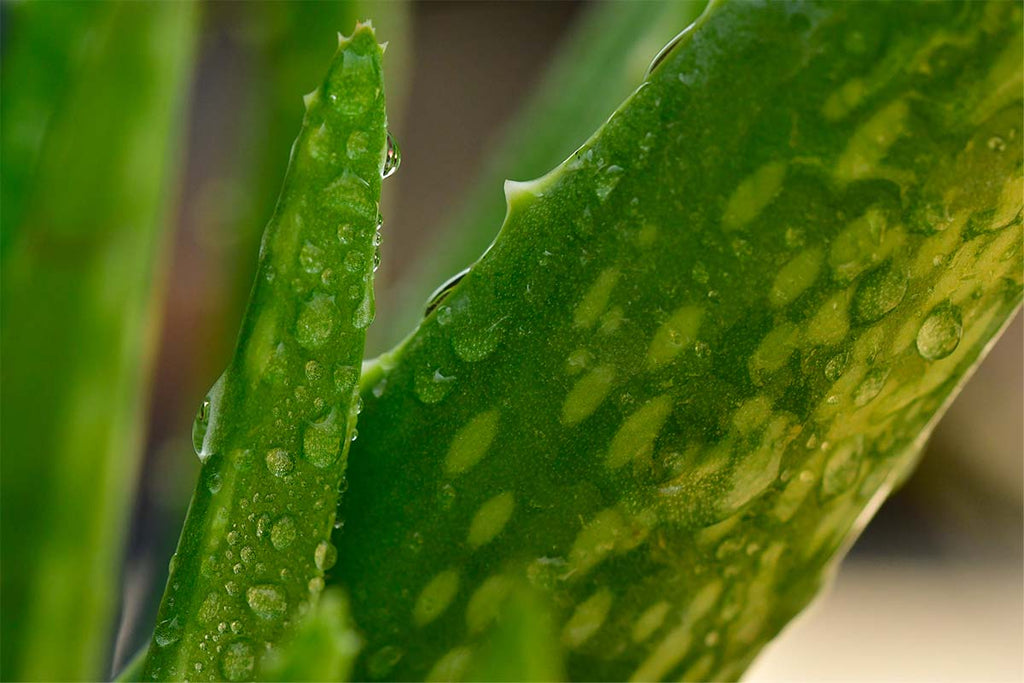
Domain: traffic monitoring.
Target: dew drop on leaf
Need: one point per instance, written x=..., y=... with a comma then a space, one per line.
x=940, y=333
x=325, y=555
x=282, y=534
x=392, y=158
x=266, y=600
x=238, y=661
x=279, y=462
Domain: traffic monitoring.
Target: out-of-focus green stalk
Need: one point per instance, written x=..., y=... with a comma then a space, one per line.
x=597, y=68
x=323, y=647
x=78, y=325
x=39, y=57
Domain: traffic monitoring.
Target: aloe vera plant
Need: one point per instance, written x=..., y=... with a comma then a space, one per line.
x=635, y=438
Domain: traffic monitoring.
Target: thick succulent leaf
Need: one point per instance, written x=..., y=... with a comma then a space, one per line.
x=274, y=431
x=323, y=647
x=286, y=47
x=598, y=67
x=87, y=171
x=702, y=350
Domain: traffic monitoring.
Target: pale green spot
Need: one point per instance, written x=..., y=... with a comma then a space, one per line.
x=262, y=343
x=650, y=621
x=485, y=604
x=793, y=496
x=757, y=470
x=842, y=467
x=675, y=334
x=831, y=322
x=587, y=395
x=870, y=143
x=490, y=519
x=795, y=277
x=700, y=669
x=452, y=666
x=596, y=299
x=578, y=361
x=609, y=531
x=753, y=195
x=471, y=442
x=774, y=350
x=647, y=235
x=844, y=100
x=435, y=597
x=635, y=438
x=588, y=618
x=752, y=414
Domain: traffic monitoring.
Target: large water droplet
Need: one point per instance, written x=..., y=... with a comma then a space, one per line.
x=279, y=462
x=870, y=387
x=315, y=322
x=431, y=385
x=321, y=442
x=842, y=467
x=879, y=293
x=311, y=258
x=167, y=632
x=392, y=158
x=238, y=661
x=282, y=534
x=325, y=555
x=940, y=332
x=266, y=600
x=199, y=428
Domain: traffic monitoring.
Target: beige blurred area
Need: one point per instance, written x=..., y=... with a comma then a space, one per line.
x=931, y=592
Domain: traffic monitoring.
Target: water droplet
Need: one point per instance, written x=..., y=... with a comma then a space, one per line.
x=282, y=534
x=842, y=467
x=167, y=632
x=836, y=365
x=996, y=144
x=247, y=554
x=366, y=310
x=263, y=525
x=431, y=385
x=607, y=181
x=311, y=258
x=325, y=555
x=870, y=387
x=316, y=584
x=266, y=600
x=238, y=661
x=940, y=332
x=236, y=626
x=879, y=292
x=392, y=158
x=233, y=537
x=321, y=442
x=315, y=322
x=231, y=588
x=199, y=428
x=313, y=371
x=279, y=462
x=376, y=259
x=441, y=293
x=383, y=661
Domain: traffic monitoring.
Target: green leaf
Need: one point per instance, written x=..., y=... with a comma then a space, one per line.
x=274, y=431
x=323, y=647
x=89, y=175
x=599, y=65
x=704, y=349
x=522, y=645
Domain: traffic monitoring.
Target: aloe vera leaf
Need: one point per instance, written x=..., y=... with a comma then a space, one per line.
x=77, y=330
x=323, y=647
x=280, y=41
x=274, y=431
x=522, y=645
x=704, y=349
x=599, y=66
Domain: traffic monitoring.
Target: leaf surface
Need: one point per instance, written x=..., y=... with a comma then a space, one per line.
x=702, y=350
x=274, y=431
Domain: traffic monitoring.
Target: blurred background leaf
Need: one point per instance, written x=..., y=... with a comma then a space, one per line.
x=93, y=178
